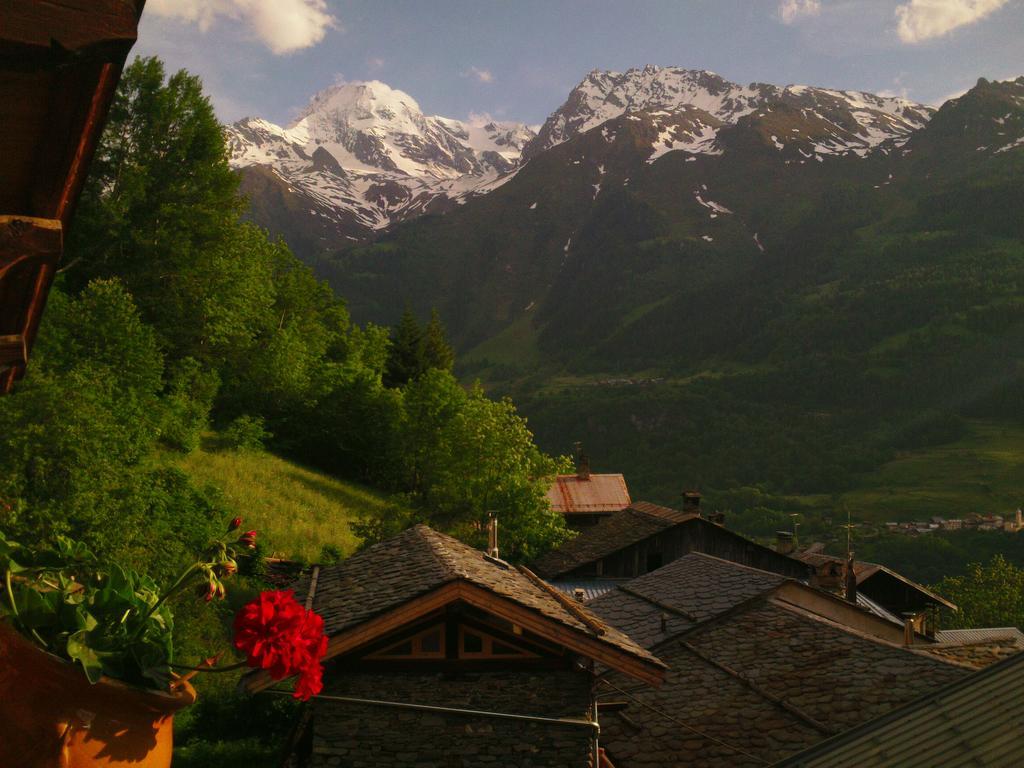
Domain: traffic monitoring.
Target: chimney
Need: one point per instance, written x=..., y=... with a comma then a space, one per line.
x=783, y=542
x=691, y=501
x=492, y=535
x=908, y=628
x=582, y=467
x=578, y=594
x=851, y=580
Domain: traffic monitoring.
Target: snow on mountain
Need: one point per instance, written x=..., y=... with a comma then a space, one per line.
x=364, y=154
x=840, y=121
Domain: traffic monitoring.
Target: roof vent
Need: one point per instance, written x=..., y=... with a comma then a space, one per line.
x=578, y=594
x=492, y=535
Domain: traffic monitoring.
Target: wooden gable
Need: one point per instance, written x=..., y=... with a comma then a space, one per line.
x=461, y=605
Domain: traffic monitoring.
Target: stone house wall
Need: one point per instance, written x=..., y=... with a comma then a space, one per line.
x=348, y=735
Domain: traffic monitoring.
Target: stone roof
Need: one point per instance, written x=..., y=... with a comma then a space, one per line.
x=419, y=561
x=572, y=494
x=757, y=683
x=685, y=592
x=633, y=524
x=978, y=654
x=970, y=722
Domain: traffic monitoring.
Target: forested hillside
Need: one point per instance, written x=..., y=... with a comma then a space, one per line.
x=758, y=315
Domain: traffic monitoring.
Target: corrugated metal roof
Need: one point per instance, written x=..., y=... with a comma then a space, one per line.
x=971, y=722
x=979, y=635
x=591, y=587
x=597, y=493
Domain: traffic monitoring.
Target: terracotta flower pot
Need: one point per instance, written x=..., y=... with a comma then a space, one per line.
x=52, y=717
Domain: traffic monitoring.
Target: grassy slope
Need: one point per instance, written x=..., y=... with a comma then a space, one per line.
x=295, y=509
x=983, y=473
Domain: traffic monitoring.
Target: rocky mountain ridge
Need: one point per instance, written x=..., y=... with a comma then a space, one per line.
x=363, y=156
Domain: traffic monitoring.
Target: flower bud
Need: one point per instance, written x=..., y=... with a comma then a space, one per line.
x=227, y=568
x=235, y=524
x=248, y=539
x=221, y=592
x=211, y=590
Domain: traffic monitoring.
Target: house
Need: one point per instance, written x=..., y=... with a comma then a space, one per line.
x=895, y=594
x=59, y=66
x=644, y=537
x=441, y=655
x=760, y=667
x=972, y=721
x=585, y=498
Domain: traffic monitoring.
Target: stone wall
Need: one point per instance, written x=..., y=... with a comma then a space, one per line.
x=347, y=735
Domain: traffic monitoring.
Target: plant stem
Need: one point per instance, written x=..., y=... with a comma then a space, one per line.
x=10, y=592
x=163, y=598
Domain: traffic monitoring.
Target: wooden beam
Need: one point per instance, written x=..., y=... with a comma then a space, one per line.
x=13, y=351
x=29, y=251
x=27, y=237
x=72, y=25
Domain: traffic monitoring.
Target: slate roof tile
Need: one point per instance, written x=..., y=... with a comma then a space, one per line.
x=633, y=524
x=421, y=560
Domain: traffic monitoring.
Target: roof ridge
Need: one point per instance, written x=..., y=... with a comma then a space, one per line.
x=658, y=604
x=437, y=544
x=733, y=563
x=577, y=611
x=808, y=616
x=779, y=702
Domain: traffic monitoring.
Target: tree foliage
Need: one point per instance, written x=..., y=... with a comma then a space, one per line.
x=989, y=595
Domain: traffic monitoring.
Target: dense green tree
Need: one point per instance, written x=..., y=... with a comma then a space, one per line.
x=988, y=595
x=405, y=356
x=464, y=455
x=160, y=206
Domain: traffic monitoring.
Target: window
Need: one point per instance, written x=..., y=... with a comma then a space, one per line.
x=474, y=644
x=428, y=644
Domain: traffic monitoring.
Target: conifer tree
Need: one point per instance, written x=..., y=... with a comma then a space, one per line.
x=437, y=352
x=405, y=357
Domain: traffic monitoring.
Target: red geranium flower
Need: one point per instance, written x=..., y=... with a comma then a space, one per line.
x=279, y=635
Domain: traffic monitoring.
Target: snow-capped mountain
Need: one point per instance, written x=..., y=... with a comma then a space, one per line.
x=817, y=120
x=363, y=155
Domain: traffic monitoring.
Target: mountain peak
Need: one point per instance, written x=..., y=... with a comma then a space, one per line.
x=862, y=120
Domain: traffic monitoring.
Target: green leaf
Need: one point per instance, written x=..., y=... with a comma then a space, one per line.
x=79, y=650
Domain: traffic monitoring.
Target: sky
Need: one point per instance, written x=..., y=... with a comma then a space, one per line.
x=518, y=59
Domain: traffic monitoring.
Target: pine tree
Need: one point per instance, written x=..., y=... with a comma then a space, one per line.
x=437, y=352
x=405, y=357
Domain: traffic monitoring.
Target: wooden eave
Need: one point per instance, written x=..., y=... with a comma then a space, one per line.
x=649, y=671
x=60, y=62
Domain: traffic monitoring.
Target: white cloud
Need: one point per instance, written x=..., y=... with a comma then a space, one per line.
x=282, y=25
x=375, y=64
x=791, y=11
x=919, y=20
x=483, y=75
